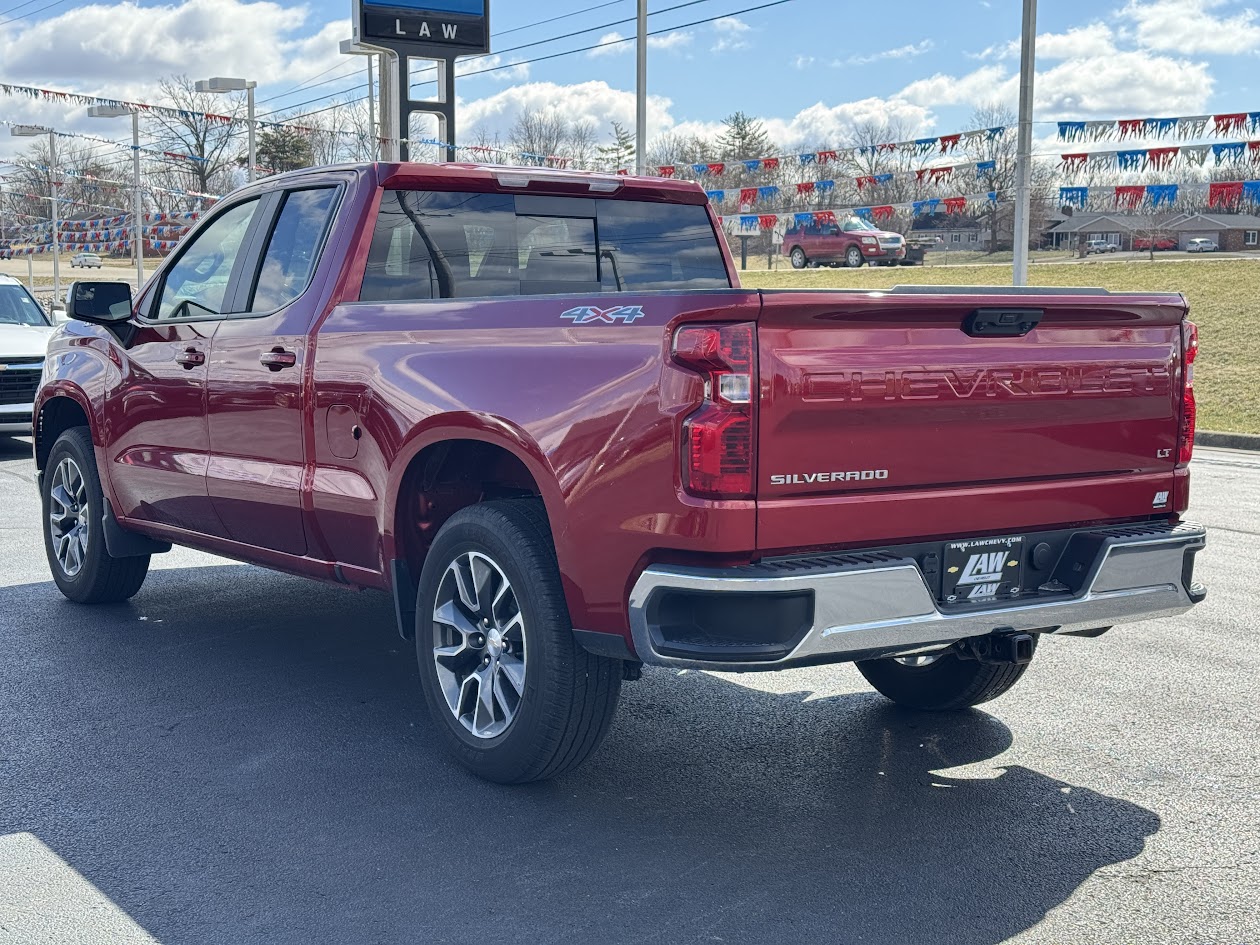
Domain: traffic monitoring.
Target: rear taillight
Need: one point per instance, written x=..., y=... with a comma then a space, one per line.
x=717, y=440
x=1189, y=351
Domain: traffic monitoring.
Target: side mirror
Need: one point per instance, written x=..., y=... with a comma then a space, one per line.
x=104, y=303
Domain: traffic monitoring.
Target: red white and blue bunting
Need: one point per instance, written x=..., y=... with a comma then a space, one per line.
x=1161, y=159
x=1220, y=195
x=1187, y=127
x=756, y=222
x=920, y=147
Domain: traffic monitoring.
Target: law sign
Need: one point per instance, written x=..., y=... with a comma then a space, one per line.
x=455, y=27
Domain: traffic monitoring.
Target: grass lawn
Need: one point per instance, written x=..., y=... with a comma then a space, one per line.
x=1224, y=298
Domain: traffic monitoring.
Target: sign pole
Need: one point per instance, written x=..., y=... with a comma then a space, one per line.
x=437, y=31
x=1023, y=148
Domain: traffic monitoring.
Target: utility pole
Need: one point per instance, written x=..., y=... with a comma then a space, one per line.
x=640, y=105
x=1023, y=147
x=137, y=201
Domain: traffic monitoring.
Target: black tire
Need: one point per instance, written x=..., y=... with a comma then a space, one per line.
x=100, y=578
x=799, y=260
x=853, y=258
x=569, y=696
x=946, y=684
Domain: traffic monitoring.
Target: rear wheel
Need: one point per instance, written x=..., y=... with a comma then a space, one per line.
x=798, y=258
x=853, y=257
x=515, y=696
x=940, y=682
x=74, y=539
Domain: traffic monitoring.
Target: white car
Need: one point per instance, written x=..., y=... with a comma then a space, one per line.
x=24, y=334
x=1100, y=246
x=1202, y=245
x=86, y=261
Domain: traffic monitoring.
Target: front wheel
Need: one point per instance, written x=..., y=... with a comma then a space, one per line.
x=940, y=682
x=74, y=539
x=514, y=695
x=853, y=257
x=798, y=258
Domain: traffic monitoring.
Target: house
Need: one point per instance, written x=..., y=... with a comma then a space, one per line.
x=953, y=230
x=1068, y=231
x=1235, y=232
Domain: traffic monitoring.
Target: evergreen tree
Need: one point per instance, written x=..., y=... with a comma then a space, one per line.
x=743, y=137
x=621, y=152
x=280, y=150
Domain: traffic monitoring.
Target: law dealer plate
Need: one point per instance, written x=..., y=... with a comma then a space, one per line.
x=983, y=569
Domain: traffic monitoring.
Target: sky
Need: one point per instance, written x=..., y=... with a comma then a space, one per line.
x=809, y=68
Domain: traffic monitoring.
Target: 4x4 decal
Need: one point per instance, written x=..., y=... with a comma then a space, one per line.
x=589, y=314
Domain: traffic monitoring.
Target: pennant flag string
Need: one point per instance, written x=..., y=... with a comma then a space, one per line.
x=1185, y=127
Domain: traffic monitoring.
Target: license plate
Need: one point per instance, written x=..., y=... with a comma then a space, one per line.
x=983, y=569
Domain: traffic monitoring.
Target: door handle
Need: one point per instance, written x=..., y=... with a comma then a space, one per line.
x=277, y=359
x=190, y=358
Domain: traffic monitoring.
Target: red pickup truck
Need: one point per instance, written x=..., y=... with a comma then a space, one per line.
x=538, y=409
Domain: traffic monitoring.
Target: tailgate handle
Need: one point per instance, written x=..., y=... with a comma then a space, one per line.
x=1002, y=322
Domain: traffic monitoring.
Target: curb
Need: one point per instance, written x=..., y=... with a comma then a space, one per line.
x=1231, y=441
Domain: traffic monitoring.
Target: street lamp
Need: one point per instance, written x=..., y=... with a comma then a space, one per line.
x=32, y=131
x=137, y=205
x=350, y=48
x=221, y=84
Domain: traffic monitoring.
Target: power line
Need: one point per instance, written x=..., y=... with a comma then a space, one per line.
x=531, y=45
x=568, y=52
x=46, y=6
x=310, y=83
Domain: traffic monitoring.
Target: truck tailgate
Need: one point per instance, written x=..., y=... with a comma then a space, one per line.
x=885, y=416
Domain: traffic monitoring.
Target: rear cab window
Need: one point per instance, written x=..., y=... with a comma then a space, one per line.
x=432, y=245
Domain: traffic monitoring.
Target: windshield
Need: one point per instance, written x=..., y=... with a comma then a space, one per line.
x=857, y=224
x=18, y=308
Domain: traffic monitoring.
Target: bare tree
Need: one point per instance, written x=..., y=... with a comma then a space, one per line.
x=211, y=146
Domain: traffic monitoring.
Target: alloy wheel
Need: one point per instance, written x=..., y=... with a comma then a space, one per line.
x=479, y=644
x=69, y=516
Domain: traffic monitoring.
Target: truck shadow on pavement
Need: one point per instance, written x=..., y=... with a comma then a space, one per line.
x=238, y=756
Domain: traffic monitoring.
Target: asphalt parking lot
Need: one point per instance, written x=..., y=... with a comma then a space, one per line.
x=239, y=756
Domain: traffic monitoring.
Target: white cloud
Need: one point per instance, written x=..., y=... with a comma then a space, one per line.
x=512, y=70
x=980, y=85
x=124, y=48
x=593, y=101
x=902, y=52
x=1190, y=26
x=732, y=33
x=1079, y=42
x=1105, y=84
x=909, y=51
x=802, y=62
x=614, y=44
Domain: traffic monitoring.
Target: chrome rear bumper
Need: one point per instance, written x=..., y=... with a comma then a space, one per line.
x=864, y=605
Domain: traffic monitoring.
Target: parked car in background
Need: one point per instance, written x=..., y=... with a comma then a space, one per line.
x=1202, y=245
x=6, y=251
x=850, y=242
x=1100, y=246
x=1162, y=243
x=85, y=261
x=24, y=334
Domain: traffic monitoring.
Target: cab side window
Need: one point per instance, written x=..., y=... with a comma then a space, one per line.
x=195, y=286
x=292, y=250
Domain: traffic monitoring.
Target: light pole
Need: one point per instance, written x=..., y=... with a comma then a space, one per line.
x=221, y=84
x=350, y=48
x=31, y=131
x=640, y=103
x=137, y=204
x=1023, y=146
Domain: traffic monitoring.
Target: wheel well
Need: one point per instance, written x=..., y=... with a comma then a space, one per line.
x=57, y=416
x=446, y=477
